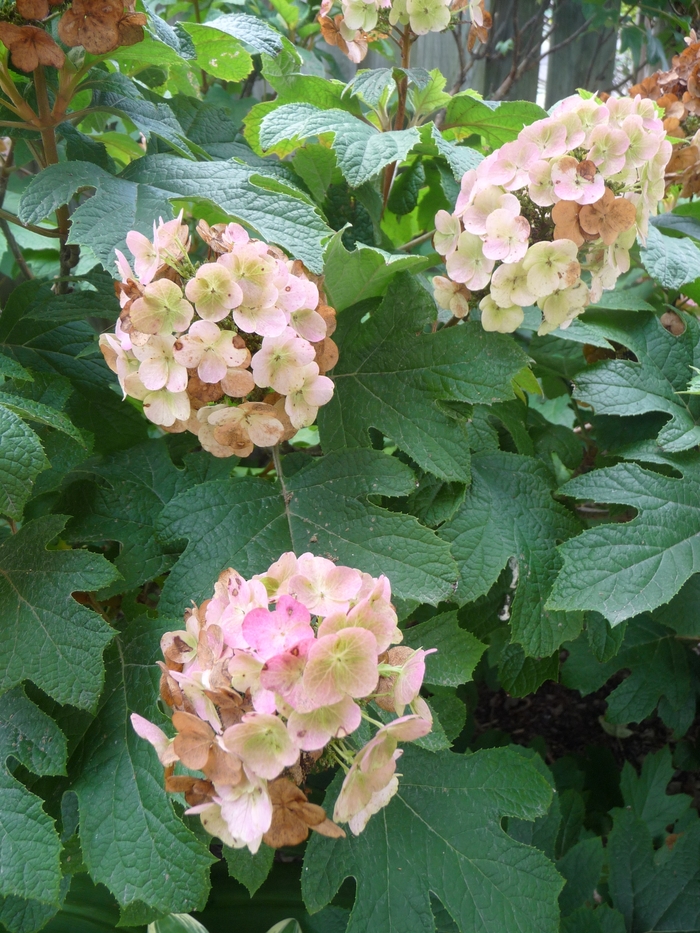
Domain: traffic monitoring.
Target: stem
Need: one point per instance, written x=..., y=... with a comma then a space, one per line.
x=198, y=18
x=416, y=241
x=48, y=139
x=7, y=86
x=4, y=226
x=277, y=460
x=14, y=219
x=15, y=250
x=402, y=91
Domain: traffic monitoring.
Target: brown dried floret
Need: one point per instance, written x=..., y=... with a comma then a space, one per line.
x=293, y=816
x=30, y=47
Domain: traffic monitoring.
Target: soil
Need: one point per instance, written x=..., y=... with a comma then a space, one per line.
x=569, y=724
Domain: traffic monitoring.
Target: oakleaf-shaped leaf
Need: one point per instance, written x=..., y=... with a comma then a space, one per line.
x=68, y=350
x=247, y=523
x=362, y=150
x=442, y=833
x=22, y=458
x=659, y=672
x=621, y=570
x=393, y=377
x=458, y=651
x=30, y=844
x=653, y=382
x=49, y=638
x=657, y=891
x=130, y=837
x=137, y=483
x=143, y=191
x=509, y=496
x=645, y=793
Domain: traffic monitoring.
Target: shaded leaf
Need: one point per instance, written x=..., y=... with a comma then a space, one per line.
x=30, y=844
x=509, y=496
x=442, y=833
x=621, y=570
x=393, y=378
x=458, y=650
x=247, y=523
x=131, y=839
x=22, y=458
x=49, y=637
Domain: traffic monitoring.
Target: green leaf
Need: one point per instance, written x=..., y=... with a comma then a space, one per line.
x=143, y=191
x=652, y=383
x=495, y=123
x=49, y=637
x=458, y=651
x=69, y=351
x=460, y=158
x=22, y=458
x=314, y=164
x=43, y=414
x=247, y=523
x=406, y=188
x=654, y=891
x=433, y=501
x=393, y=378
x=361, y=149
x=582, y=867
x=177, y=923
x=250, y=870
x=218, y=52
x=118, y=94
x=645, y=793
x=293, y=87
x=19, y=915
x=30, y=844
x=365, y=272
x=659, y=670
x=220, y=42
x=10, y=369
x=442, y=833
x=432, y=97
x=688, y=226
x=621, y=570
x=373, y=84
x=253, y=31
x=137, y=485
x=671, y=261
x=521, y=675
x=509, y=496
x=131, y=839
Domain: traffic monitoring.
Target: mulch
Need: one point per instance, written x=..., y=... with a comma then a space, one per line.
x=569, y=724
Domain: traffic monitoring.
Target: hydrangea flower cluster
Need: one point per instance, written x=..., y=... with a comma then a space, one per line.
x=549, y=218
x=676, y=93
x=235, y=350
x=359, y=20
x=266, y=682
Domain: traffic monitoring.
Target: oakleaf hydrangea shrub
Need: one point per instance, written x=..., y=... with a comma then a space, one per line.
x=269, y=680
x=234, y=350
x=549, y=219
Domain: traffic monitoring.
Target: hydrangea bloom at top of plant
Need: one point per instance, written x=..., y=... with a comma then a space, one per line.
x=549, y=218
x=677, y=93
x=266, y=682
x=250, y=325
x=362, y=20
